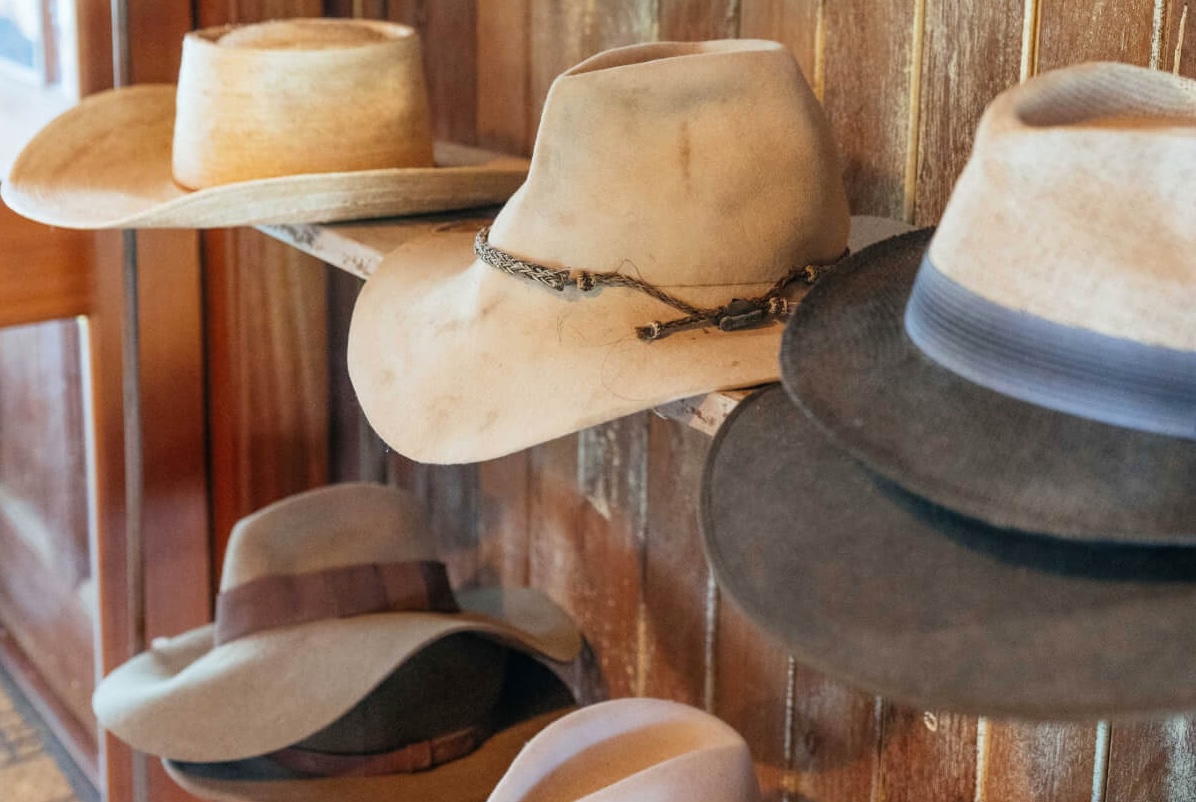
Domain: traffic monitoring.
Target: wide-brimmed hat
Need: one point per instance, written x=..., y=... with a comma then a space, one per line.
x=1035, y=366
x=633, y=749
x=885, y=591
x=290, y=121
x=532, y=698
x=667, y=181
x=323, y=596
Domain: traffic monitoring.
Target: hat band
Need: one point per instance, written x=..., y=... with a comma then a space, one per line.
x=286, y=600
x=419, y=756
x=739, y=314
x=1079, y=372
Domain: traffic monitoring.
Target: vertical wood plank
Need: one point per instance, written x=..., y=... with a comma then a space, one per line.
x=267, y=375
x=448, y=33
x=794, y=23
x=751, y=685
x=870, y=60
x=960, y=75
x=1042, y=762
x=676, y=622
x=586, y=548
x=1071, y=31
x=926, y=756
x=687, y=20
x=1179, y=38
x=504, y=77
x=1153, y=761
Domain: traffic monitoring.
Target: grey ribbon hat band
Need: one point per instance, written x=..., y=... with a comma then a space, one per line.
x=1070, y=370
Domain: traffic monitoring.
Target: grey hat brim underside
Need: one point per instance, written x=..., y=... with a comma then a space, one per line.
x=885, y=591
x=846, y=359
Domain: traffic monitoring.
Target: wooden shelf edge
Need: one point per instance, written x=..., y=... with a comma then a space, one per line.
x=358, y=247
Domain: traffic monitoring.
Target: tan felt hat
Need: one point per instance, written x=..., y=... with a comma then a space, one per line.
x=648, y=750
x=668, y=180
x=291, y=121
x=470, y=779
x=323, y=596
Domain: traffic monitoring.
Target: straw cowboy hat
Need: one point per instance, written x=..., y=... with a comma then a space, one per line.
x=324, y=596
x=982, y=497
x=667, y=181
x=292, y=121
x=633, y=749
x=1035, y=367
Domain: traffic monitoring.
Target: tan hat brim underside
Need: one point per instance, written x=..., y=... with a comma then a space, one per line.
x=106, y=163
x=469, y=779
x=185, y=699
x=455, y=361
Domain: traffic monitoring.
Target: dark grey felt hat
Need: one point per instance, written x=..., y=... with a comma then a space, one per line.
x=883, y=590
x=936, y=426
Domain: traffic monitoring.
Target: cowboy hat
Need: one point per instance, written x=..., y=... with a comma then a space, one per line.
x=1034, y=366
x=885, y=591
x=332, y=590
x=290, y=121
x=641, y=749
x=672, y=179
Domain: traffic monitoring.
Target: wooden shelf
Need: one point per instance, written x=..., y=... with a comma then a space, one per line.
x=358, y=247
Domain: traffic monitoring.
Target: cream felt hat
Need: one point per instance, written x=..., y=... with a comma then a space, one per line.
x=1032, y=364
x=647, y=750
x=323, y=596
x=667, y=181
x=291, y=121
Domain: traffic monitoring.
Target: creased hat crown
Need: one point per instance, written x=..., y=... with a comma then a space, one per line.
x=692, y=165
x=332, y=527
x=1077, y=204
x=299, y=96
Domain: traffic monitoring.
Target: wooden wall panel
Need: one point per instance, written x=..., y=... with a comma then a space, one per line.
x=960, y=75
x=1178, y=44
x=871, y=63
x=1042, y=762
x=504, y=108
x=1153, y=761
x=267, y=375
x=448, y=31
x=1071, y=31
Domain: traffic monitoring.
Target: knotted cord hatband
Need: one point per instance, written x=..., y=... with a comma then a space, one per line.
x=739, y=314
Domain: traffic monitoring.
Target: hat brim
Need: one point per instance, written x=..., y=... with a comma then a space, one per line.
x=884, y=591
x=848, y=362
x=532, y=698
x=454, y=361
x=106, y=163
x=189, y=699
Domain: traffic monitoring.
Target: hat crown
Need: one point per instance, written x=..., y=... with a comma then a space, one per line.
x=299, y=96
x=687, y=164
x=644, y=749
x=332, y=527
x=1077, y=202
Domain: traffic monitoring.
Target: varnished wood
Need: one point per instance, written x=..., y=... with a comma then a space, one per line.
x=45, y=273
x=960, y=76
x=1047, y=762
x=1111, y=30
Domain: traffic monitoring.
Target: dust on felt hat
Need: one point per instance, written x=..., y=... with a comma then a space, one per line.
x=702, y=172
x=289, y=121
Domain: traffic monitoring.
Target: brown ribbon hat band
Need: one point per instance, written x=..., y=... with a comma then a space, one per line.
x=286, y=600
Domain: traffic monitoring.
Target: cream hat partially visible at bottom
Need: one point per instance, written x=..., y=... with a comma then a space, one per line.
x=646, y=750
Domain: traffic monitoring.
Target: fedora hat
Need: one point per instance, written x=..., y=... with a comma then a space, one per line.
x=532, y=698
x=883, y=590
x=1033, y=364
x=642, y=749
x=324, y=596
x=290, y=121
x=667, y=181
